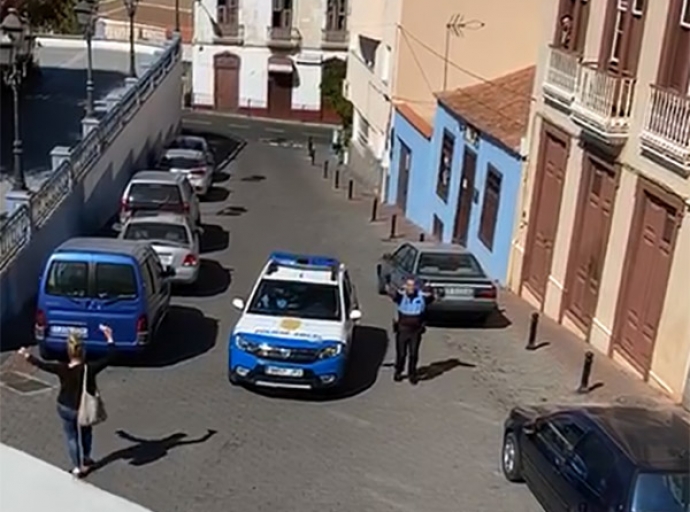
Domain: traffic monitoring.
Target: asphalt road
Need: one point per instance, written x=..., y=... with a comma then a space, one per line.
x=180, y=438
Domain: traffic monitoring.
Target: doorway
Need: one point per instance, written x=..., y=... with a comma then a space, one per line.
x=465, y=197
x=226, y=70
x=403, y=175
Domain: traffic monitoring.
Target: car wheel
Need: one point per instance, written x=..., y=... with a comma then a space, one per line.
x=380, y=285
x=511, y=461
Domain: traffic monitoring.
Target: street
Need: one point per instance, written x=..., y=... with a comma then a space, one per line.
x=180, y=438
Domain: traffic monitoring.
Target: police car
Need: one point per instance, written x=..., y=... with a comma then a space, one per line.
x=296, y=326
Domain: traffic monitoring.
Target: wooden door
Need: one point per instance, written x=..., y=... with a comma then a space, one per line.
x=645, y=277
x=464, y=211
x=403, y=176
x=623, y=32
x=227, y=81
x=590, y=239
x=280, y=94
x=546, y=207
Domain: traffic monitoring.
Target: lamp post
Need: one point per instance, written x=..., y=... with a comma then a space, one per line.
x=177, y=16
x=86, y=17
x=13, y=28
x=131, y=6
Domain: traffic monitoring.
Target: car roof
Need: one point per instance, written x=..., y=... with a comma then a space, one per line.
x=652, y=439
x=157, y=177
x=433, y=247
x=183, y=153
x=136, y=249
x=194, y=138
x=163, y=217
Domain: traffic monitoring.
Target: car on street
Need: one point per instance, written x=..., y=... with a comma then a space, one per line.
x=87, y=282
x=175, y=241
x=454, y=275
x=192, y=164
x=296, y=326
x=195, y=143
x=159, y=191
x=599, y=458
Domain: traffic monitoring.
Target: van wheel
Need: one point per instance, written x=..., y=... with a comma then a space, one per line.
x=511, y=460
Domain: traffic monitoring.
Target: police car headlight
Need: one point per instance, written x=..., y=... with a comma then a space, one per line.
x=245, y=345
x=331, y=351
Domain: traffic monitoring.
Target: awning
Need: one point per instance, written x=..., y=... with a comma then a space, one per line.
x=280, y=64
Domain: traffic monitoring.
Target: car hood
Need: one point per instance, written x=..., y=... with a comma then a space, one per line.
x=311, y=331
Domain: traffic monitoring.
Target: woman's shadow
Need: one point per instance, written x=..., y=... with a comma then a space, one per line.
x=145, y=451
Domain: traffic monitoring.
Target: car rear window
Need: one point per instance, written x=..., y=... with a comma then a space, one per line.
x=162, y=193
x=68, y=279
x=183, y=143
x=115, y=281
x=449, y=265
x=181, y=162
x=662, y=492
x=175, y=233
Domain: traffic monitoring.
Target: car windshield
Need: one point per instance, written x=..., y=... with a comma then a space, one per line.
x=159, y=231
x=155, y=193
x=181, y=162
x=68, y=279
x=662, y=492
x=115, y=281
x=302, y=300
x=186, y=143
x=449, y=265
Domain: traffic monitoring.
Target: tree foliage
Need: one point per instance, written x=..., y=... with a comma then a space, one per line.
x=334, y=72
x=46, y=15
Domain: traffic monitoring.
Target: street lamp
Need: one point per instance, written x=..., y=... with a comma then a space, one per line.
x=177, y=16
x=13, y=29
x=86, y=17
x=131, y=6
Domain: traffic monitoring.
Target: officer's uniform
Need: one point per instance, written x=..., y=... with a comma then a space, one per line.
x=409, y=330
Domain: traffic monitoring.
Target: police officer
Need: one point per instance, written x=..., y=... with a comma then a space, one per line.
x=409, y=327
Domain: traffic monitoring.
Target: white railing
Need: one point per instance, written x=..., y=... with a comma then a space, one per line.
x=561, y=74
x=16, y=230
x=603, y=101
x=667, y=126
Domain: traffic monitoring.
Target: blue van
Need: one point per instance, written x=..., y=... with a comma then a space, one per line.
x=91, y=281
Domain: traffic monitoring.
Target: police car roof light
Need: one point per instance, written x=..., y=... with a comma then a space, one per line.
x=297, y=260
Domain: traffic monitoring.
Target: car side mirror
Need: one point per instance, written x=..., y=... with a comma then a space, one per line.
x=529, y=429
x=238, y=303
x=355, y=314
x=168, y=272
x=387, y=256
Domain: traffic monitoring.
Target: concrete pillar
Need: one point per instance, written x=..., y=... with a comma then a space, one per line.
x=15, y=199
x=88, y=124
x=58, y=155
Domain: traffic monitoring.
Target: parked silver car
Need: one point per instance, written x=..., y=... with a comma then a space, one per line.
x=191, y=164
x=195, y=143
x=175, y=241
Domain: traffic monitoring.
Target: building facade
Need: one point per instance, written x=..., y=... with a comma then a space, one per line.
x=405, y=51
x=604, y=241
x=460, y=179
x=267, y=58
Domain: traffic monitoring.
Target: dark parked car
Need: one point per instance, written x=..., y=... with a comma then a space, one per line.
x=600, y=459
x=453, y=273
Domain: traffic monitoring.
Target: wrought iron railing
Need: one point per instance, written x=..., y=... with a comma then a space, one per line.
x=16, y=229
x=667, y=125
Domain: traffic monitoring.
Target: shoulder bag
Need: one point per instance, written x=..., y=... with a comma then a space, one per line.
x=91, y=407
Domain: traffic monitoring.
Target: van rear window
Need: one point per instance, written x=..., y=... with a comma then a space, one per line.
x=68, y=279
x=155, y=193
x=115, y=281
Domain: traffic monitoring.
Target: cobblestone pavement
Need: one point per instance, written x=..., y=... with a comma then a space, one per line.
x=190, y=442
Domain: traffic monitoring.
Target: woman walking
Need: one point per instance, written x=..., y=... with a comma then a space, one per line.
x=71, y=375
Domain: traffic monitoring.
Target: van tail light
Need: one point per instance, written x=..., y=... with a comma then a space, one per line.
x=142, y=329
x=486, y=293
x=185, y=207
x=190, y=261
x=40, y=325
x=199, y=171
x=124, y=205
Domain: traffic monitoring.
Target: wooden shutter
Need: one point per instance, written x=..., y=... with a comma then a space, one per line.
x=490, y=204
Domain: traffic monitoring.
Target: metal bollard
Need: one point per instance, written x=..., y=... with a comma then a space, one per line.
x=350, y=189
x=374, y=209
x=336, y=181
x=532, y=337
x=421, y=237
x=325, y=170
x=394, y=222
x=586, y=373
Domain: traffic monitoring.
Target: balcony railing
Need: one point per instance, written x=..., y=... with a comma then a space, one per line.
x=603, y=102
x=335, y=38
x=229, y=28
x=561, y=75
x=283, y=37
x=667, y=126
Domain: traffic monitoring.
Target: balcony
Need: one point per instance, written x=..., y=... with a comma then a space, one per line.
x=561, y=76
x=603, y=103
x=666, y=131
x=283, y=37
x=334, y=39
x=230, y=34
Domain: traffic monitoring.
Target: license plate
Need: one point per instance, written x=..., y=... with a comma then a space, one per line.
x=284, y=372
x=460, y=292
x=66, y=330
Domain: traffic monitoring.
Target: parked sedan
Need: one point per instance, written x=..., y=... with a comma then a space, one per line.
x=191, y=164
x=195, y=143
x=175, y=241
x=600, y=458
x=458, y=281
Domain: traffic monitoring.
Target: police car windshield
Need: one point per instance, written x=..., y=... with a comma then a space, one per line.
x=313, y=301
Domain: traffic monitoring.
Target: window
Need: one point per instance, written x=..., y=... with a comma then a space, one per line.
x=68, y=279
x=386, y=64
x=182, y=162
x=391, y=144
x=437, y=228
x=407, y=264
x=115, y=281
x=662, y=491
x=594, y=463
x=149, y=281
x=367, y=49
x=623, y=33
x=638, y=7
x=561, y=434
x=336, y=15
x=363, y=131
x=449, y=265
x=618, y=31
x=685, y=14
x=282, y=14
x=445, y=165
x=350, y=291
x=154, y=193
x=296, y=299
x=400, y=254
x=571, y=26
x=347, y=298
x=490, y=205
x=228, y=12
x=172, y=234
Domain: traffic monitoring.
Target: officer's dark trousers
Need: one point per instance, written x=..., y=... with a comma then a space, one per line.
x=407, y=343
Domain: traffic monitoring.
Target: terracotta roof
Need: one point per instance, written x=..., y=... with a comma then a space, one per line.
x=418, y=122
x=499, y=108
x=154, y=13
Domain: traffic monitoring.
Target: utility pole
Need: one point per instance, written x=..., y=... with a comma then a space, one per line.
x=456, y=26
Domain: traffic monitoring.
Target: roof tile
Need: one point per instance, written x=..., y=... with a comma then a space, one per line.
x=417, y=121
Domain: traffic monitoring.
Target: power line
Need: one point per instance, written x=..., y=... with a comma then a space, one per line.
x=419, y=65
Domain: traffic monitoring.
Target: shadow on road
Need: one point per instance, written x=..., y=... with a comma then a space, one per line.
x=232, y=211
x=226, y=148
x=214, y=238
x=213, y=280
x=438, y=368
x=220, y=177
x=254, y=178
x=216, y=195
x=496, y=320
x=146, y=451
